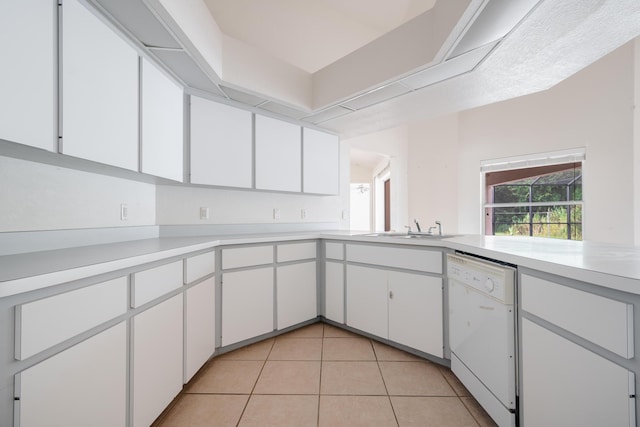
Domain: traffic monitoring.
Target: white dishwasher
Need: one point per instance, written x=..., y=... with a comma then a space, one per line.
x=482, y=333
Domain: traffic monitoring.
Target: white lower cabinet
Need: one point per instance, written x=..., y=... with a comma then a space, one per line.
x=415, y=311
x=297, y=292
x=334, y=291
x=247, y=304
x=403, y=307
x=200, y=326
x=157, y=359
x=367, y=301
x=564, y=384
x=85, y=385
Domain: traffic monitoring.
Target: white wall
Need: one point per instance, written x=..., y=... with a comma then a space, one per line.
x=361, y=174
x=392, y=143
x=592, y=109
x=36, y=196
x=181, y=204
x=433, y=172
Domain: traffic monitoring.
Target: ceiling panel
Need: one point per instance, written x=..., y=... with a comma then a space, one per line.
x=448, y=69
x=243, y=97
x=186, y=69
x=328, y=114
x=136, y=18
x=284, y=110
x=375, y=96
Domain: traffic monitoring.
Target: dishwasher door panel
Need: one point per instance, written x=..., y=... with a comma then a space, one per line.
x=481, y=335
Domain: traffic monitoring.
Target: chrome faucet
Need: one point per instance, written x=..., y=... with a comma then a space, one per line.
x=438, y=226
x=415, y=221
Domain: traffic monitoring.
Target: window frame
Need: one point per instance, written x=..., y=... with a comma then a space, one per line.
x=577, y=155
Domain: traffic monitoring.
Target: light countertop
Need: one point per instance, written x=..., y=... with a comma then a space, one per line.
x=612, y=266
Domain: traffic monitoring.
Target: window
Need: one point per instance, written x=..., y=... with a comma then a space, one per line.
x=544, y=200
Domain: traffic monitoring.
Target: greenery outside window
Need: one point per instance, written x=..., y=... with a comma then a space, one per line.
x=540, y=201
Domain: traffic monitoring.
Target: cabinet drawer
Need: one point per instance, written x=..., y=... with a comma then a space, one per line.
x=611, y=328
x=47, y=322
x=334, y=251
x=411, y=259
x=199, y=266
x=296, y=251
x=247, y=257
x=153, y=283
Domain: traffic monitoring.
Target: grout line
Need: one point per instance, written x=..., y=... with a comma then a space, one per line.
x=320, y=383
x=264, y=362
x=395, y=416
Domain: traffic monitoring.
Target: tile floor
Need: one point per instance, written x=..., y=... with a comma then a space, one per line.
x=323, y=376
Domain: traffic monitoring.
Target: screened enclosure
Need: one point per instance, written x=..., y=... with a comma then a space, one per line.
x=541, y=201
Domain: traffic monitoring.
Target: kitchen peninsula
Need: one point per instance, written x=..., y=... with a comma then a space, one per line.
x=574, y=297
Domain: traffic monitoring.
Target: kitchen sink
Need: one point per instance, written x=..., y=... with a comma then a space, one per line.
x=409, y=236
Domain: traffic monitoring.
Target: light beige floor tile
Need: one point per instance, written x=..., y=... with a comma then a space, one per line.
x=297, y=349
x=289, y=377
x=257, y=351
x=314, y=330
x=347, y=349
x=480, y=415
x=199, y=410
x=331, y=331
x=388, y=353
x=454, y=382
x=356, y=411
x=431, y=412
x=226, y=376
x=280, y=411
x=414, y=379
x=351, y=378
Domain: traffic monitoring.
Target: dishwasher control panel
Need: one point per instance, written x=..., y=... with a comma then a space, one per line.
x=495, y=280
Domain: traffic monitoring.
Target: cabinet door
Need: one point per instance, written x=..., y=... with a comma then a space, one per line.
x=278, y=155
x=247, y=304
x=321, y=162
x=200, y=326
x=157, y=359
x=99, y=90
x=296, y=294
x=221, y=144
x=568, y=385
x=334, y=291
x=367, y=300
x=162, y=130
x=85, y=385
x=415, y=311
x=27, y=77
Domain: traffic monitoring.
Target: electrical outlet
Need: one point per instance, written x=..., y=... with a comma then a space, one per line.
x=204, y=213
x=276, y=213
x=303, y=214
x=124, y=212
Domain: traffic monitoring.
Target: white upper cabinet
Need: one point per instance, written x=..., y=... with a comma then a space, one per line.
x=99, y=90
x=162, y=118
x=27, y=77
x=221, y=144
x=278, y=155
x=320, y=162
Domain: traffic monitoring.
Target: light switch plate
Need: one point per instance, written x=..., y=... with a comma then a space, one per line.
x=276, y=213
